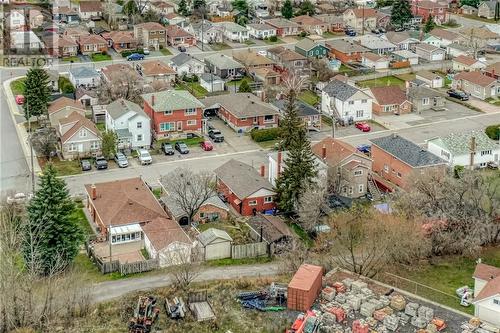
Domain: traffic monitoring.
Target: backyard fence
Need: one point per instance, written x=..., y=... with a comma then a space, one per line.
x=250, y=250
x=440, y=65
x=138, y=266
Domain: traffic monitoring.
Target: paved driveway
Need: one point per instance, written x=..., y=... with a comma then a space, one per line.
x=484, y=106
x=233, y=142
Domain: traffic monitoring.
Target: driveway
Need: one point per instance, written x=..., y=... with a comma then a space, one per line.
x=233, y=142
x=484, y=106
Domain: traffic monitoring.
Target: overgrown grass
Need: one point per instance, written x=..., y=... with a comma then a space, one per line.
x=157, y=192
x=63, y=168
x=17, y=86
x=308, y=241
x=269, y=42
x=194, y=88
x=244, y=261
x=79, y=217
x=189, y=142
x=309, y=97
x=101, y=127
x=271, y=144
x=100, y=57
x=381, y=82
x=239, y=232
x=220, y=46
x=165, y=52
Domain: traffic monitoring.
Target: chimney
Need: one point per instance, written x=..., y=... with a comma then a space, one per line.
x=262, y=170
x=93, y=192
x=323, y=152
x=279, y=163
x=153, y=100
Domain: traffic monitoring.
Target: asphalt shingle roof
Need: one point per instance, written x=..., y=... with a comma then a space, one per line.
x=223, y=61
x=303, y=109
x=340, y=90
x=459, y=143
x=241, y=105
x=172, y=100
x=209, y=235
x=122, y=106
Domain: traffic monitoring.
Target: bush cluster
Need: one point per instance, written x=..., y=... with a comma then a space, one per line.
x=267, y=134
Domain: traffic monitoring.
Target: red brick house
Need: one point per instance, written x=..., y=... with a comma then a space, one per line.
x=389, y=100
x=247, y=191
x=120, y=40
x=92, y=44
x=346, y=51
x=396, y=159
x=60, y=45
x=243, y=111
x=177, y=36
x=173, y=113
x=493, y=70
x=426, y=8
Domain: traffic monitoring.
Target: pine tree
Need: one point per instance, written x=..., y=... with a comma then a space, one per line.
x=429, y=24
x=244, y=87
x=401, y=13
x=290, y=122
x=287, y=10
x=182, y=9
x=36, y=92
x=199, y=4
x=52, y=237
x=497, y=11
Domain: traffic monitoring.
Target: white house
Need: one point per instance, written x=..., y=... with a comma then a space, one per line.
x=25, y=40
x=372, y=60
x=17, y=20
x=215, y=244
x=130, y=123
x=211, y=82
x=83, y=76
x=465, y=63
x=406, y=55
x=234, y=32
x=184, y=63
x=261, y=30
x=487, y=294
x=430, y=52
x=346, y=102
x=456, y=149
x=431, y=79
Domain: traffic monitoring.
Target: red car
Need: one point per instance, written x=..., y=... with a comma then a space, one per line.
x=20, y=99
x=363, y=126
x=206, y=145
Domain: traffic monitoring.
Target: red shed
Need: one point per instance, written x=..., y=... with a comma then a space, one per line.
x=304, y=287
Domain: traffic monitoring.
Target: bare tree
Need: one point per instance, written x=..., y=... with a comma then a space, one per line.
x=125, y=84
x=312, y=204
x=185, y=266
x=323, y=72
x=44, y=141
x=291, y=254
x=188, y=190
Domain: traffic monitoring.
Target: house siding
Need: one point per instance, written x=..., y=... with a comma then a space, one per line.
x=244, y=208
x=246, y=124
x=178, y=117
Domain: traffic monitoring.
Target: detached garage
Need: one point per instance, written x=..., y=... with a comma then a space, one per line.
x=487, y=294
x=215, y=244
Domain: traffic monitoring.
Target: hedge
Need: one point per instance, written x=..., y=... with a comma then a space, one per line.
x=65, y=85
x=268, y=134
x=493, y=131
x=273, y=39
x=127, y=53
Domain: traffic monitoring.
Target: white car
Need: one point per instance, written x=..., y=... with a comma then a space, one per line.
x=146, y=51
x=144, y=157
x=262, y=53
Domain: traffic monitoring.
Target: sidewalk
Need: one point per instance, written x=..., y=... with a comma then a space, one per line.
x=22, y=134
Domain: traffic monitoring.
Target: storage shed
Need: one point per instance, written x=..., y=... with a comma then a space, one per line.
x=304, y=287
x=215, y=243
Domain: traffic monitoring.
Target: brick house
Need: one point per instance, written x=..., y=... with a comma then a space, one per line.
x=289, y=61
x=284, y=27
x=156, y=70
x=311, y=24
x=493, y=70
x=176, y=36
x=346, y=51
x=389, y=100
x=92, y=44
x=173, y=113
x=476, y=84
x=247, y=191
x=243, y=111
x=90, y=10
x=60, y=45
x=252, y=60
x=426, y=8
x=120, y=40
x=396, y=159
x=151, y=34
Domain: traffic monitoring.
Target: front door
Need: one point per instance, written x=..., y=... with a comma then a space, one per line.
x=179, y=126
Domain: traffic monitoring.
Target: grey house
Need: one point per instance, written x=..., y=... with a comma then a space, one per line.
x=224, y=66
x=423, y=98
x=487, y=9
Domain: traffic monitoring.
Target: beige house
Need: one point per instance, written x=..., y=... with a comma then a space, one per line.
x=215, y=244
x=151, y=34
x=487, y=293
x=487, y=9
x=466, y=63
x=476, y=84
x=79, y=137
x=62, y=108
x=156, y=70
x=359, y=18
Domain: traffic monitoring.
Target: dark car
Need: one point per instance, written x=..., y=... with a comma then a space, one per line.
x=458, y=94
x=399, y=29
x=167, y=148
x=192, y=135
x=351, y=33
x=181, y=48
x=181, y=147
x=135, y=57
x=365, y=149
x=86, y=166
x=101, y=163
x=216, y=135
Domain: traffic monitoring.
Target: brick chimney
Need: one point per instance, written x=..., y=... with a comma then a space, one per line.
x=93, y=192
x=262, y=170
x=279, y=164
x=323, y=152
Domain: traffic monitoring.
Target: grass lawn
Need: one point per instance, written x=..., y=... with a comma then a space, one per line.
x=100, y=57
x=308, y=241
x=17, y=86
x=477, y=18
x=189, y=142
x=269, y=144
x=220, y=46
x=380, y=82
x=309, y=97
x=406, y=77
x=249, y=42
x=71, y=59
x=239, y=232
x=193, y=87
x=244, y=261
x=238, y=82
x=79, y=217
x=344, y=69
x=165, y=51
x=63, y=168
x=268, y=42
x=101, y=127
x=328, y=34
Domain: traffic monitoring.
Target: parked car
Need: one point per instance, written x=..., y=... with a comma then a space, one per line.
x=262, y=53
x=100, y=163
x=167, y=148
x=363, y=126
x=206, y=145
x=145, y=50
x=19, y=99
x=492, y=165
x=144, y=157
x=399, y=29
x=86, y=165
x=121, y=160
x=216, y=135
x=181, y=147
x=350, y=33
x=135, y=57
x=181, y=48
x=458, y=94
x=192, y=135
x=376, y=31
x=365, y=149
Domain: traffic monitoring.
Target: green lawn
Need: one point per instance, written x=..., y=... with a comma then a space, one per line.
x=270, y=144
x=101, y=127
x=193, y=87
x=17, y=86
x=79, y=217
x=477, y=18
x=268, y=42
x=328, y=34
x=302, y=234
x=309, y=97
x=70, y=59
x=380, y=82
x=344, y=69
x=157, y=192
x=189, y=142
x=165, y=51
x=239, y=232
x=220, y=46
x=238, y=82
x=249, y=42
x=100, y=57
x=66, y=168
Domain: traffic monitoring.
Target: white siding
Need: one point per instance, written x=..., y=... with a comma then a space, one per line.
x=218, y=249
x=488, y=311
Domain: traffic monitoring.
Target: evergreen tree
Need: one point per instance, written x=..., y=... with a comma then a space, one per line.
x=36, y=92
x=130, y=8
x=244, y=86
x=52, y=237
x=300, y=167
x=472, y=3
x=182, y=9
x=429, y=24
x=287, y=10
x=401, y=13
x=497, y=11
x=307, y=8
x=199, y=4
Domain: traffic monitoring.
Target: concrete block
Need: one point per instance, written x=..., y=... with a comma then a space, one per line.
x=411, y=309
x=347, y=283
x=328, y=293
x=391, y=322
x=398, y=302
x=418, y=322
x=354, y=302
x=340, y=298
x=358, y=285
x=367, y=309
x=425, y=312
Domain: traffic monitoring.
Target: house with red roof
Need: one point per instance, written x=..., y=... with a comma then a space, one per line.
x=92, y=44
x=476, y=84
x=389, y=100
x=493, y=70
x=120, y=40
x=487, y=293
x=176, y=36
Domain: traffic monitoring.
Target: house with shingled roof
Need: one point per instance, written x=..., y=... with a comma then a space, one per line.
x=311, y=49
x=90, y=10
x=487, y=9
x=430, y=52
x=151, y=35
x=487, y=293
x=476, y=84
x=184, y=63
x=360, y=18
x=425, y=8
x=261, y=30
x=493, y=70
x=177, y=36
x=63, y=107
x=284, y=27
x=156, y=70
x=289, y=61
x=84, y=76
x=389, y=100
x=79, y=137
x=215, y=244
x=92, y=44
x=224, y=66
x=346, y=51
x=467, y=63
x=311, y=24
x=375, y=61
x=345, y=102
x=252, y=60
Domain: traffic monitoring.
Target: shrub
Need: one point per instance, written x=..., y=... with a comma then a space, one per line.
x=303, y=34
x=65, y=85
x=493, y=131
x=104, y=53
x=273, y=39
x=127, y=53
x=268, y=134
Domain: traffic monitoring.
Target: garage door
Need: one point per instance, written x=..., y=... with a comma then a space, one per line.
x=489, y=315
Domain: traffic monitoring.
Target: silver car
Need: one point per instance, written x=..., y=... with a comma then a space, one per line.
x=121, y=160
x=144, y=157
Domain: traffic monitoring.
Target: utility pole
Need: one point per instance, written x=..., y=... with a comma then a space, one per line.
x=363, y=23
x=202, y=23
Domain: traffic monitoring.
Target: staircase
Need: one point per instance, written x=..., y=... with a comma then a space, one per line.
x=373, y=189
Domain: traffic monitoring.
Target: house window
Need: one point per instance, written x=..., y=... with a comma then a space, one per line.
x=386, y=168
x=361, y=188
x=166, y=127
x=363, y=101
x=139, y=137
x=445, y=154
x=72, y=147
x=425, y=101
x=191, y=122
x=252, y=203
x=167, y=112
x=359, y=113
x=94, y=145
x=83, y=133
x=496, y=301
x=139, y=124
x=351, y=102
x=399, y=174
x=190, y=112
x=358, y=172
x=350, y=190
x=486, y=152
x=268, y=199
x=268, y=118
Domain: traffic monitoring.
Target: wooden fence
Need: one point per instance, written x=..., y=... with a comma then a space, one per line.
x=250, y=250
x=139, y=266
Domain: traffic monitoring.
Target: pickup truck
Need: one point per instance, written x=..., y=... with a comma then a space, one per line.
x=216, y=135
x=100, y=163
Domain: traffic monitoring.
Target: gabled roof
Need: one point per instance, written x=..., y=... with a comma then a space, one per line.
x=64, y=102
x=423, y=92
x=81, y=92
x=345, y=46
x=211, y=234
x=115, y=72
x=282, y=23
x=177, y=212
x=431, y=4
x=242, y=179
x=459, y=143
x=82, y=72
x=79, y=122
x=399, y=37
x=307, y=20
x=121, y=106
x=251, y=58
x=120, y=36
x=336, y=151
x=303, y=109
x=175, y=31
x=231, y=26
x=91, y=39
x=375, y=42
x=374, y=57
x=156, y=67
x=167, y=100
x=428, y=47
x=445, y=34
x=261, y=26
x=241, y=105
x=362, y=12
x=389, y=95
x=406, y=151
x=486, y=272
x=466, y=60
x=475, y=78
x=495, y=67
x=428, y=75
x=340, y=90
x=162, y=231
x=307, y=44
x=285, y=54
x=490, y=4
x=182, y=58
x=491, y=275
x=273, y=227
x=150, y=26
x=223, y=61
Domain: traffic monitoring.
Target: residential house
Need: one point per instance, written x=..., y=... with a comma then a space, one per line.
x=311, y=24
x=17, y=21
x=432, y=80
x=289, y=61
x=243, y=111
x=345, y=102
x=481, y=37
x=162, y=8
x=430, y=52
x=120, y=40
x=346, y=51
x=431, y=40
x=224, y=66
x=247, y=191
x=271, y=229
x=175, y=19
x=62, y=108
x=326, y=9
x=130, y=123
x=468, y=10
x=86, y=96
x=184, y=64
x=76, y=32
x=84, y=76
x=372, y=60
x=120, y=74
x=127, y=213
x=405, y=55
x=307, y=113
x=396, y=159
x=486, y=9
x=266, y=75
x=252, y=60
x=25, y=41
x=173, y=113
x=234, y=32
x=476, y=84
x=207, y=32
x=66, y=15
x=487, y=294
x=211, y=210
x=455, y=50
x=156, y=70
x=402, y=39
x=92, y=44
x=493, y=28
x=360, y=18
x=389, y=100
x=468, y=64
x=90, y=10
x=284, y=27
x=176, y=36
x=212, y=83
x=151, y=35
x=335, y=23
x=215, y=244
x=377, y=44
x=60, y=46
x=311, y=49
x=423, y=98
x=493, y=70
x=383, y=19
x=456, y=149
x=446, y=37
x=426, y=8
x=261, y=30
x=79, y=136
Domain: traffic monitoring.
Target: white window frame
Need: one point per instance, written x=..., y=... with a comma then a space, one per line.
x=190, y=112
x=191, y=122
x=268, y=199
x=360, y=113
x=139, y=124
x=139, y=137
x=72, y=147
x=168, y=112
x=171, y=125
x=361, y=188
x=94, y=145
x=83, y=133
x=425, y=101
x=252, y=203
x=358, y=172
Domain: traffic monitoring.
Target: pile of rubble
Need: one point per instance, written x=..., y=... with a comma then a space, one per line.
x=476, y=326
